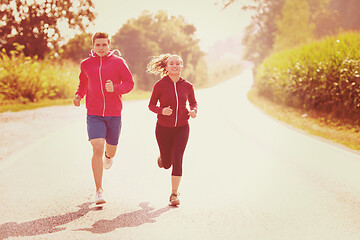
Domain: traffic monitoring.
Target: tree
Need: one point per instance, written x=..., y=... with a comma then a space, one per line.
x=260, y=35
x=348, y=11
x=77, y=48
x=326, y=20
x=36, y=23
x=293, y=26
x=153, y=34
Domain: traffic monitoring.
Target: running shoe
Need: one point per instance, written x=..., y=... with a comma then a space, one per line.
x=99, y=199
x=107, y=162
x=159, y=162
x=174, y=199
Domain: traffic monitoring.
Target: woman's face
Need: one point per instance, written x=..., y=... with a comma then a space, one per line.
x=174, y=65
x=101, y=46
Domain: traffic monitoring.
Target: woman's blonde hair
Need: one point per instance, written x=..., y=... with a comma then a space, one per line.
x=158, y=64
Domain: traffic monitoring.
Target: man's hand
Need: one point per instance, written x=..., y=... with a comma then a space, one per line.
x=77, y=100
x=109, y=86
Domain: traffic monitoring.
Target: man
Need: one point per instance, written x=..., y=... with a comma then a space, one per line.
x=104, y=77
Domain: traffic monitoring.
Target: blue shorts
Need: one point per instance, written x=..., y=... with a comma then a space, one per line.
x=104, y=127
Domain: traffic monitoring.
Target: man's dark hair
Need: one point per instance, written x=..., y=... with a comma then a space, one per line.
x=100, y=35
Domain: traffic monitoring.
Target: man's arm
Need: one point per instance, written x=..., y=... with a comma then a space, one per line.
x=82, y=88
x=127, y=82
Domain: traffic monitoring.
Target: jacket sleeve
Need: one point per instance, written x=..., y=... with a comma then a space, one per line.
x=83, y=83
x=155, y=95
x=127, y=82
x=192, y=100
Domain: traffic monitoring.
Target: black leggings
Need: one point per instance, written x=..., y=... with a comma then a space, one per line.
x=172, y=143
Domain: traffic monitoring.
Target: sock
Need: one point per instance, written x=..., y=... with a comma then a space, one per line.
x=107, y=155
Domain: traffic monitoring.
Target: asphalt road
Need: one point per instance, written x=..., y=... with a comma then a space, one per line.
x=246, y=176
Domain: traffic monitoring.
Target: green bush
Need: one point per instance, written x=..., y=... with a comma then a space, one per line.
x=25, y=79
x=322, y=76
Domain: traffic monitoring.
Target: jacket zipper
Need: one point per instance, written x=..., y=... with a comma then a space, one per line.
x=102, y=90
x=177, y=105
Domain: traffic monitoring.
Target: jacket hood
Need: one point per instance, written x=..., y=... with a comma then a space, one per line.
x=111, y=52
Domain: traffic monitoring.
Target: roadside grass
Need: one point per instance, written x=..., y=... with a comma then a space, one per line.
x=136, y=94
x=333, y=130
x=19, y=106
x=29, y=83
x=321, y=76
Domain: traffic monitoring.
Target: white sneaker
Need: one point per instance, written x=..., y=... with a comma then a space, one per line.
x=107, y=162
x=99, y=199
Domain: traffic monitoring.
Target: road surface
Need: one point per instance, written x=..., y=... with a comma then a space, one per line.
x=246, y=176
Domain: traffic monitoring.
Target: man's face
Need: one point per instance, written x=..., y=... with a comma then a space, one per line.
x=101, y=46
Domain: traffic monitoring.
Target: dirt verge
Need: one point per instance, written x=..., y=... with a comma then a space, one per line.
x=21, y=128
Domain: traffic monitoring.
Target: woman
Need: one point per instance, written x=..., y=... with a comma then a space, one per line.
x=172, y=128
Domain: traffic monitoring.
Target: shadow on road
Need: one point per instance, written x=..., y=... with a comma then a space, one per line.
x=131, y=219
x=53, y=224
x=43, y=225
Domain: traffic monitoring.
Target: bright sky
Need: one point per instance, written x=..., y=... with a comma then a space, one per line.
x=212, y=23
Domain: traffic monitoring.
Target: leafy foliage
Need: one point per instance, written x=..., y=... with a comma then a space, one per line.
x=260, y=34
x=77, y=48
x=294, y=26
x=154, y=34
x=27, y=79
x=328, y=16
x=36, y=24
x=348, y=12
x=323, y=76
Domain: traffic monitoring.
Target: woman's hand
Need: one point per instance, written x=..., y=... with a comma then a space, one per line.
x=192, y=113
x=76, y=100
x=167, y=111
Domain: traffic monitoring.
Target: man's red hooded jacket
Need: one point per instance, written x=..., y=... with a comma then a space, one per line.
x=95, y=71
